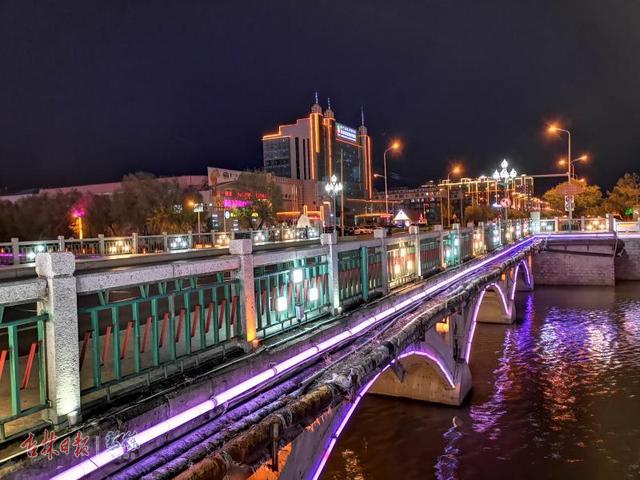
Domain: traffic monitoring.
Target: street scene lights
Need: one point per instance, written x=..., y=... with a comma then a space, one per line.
x=502, y=177
x=197, y=208
x=552, y=129
x=333, y=189
x=456, y=170
x=394, y=146
x=582, y=158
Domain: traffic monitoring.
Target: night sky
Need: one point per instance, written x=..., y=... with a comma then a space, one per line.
x=91, y=90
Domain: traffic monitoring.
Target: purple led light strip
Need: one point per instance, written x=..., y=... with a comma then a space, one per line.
x=100, y=459
x=343, y=423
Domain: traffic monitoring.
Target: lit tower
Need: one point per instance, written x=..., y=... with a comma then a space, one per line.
x=314, y=138
x=365, y=160
x=329, y=123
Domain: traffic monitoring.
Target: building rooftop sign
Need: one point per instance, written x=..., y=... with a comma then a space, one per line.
x=346, y=133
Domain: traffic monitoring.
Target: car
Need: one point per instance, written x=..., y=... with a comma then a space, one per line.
x=362, y=231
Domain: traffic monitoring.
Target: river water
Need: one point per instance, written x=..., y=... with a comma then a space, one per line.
x=556, y=395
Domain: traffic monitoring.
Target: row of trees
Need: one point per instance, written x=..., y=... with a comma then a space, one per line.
x=591, y=202
x=143, y=204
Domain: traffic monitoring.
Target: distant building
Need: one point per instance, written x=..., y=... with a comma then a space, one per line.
x=317, y=147
x=299, y=196
x=422, y=201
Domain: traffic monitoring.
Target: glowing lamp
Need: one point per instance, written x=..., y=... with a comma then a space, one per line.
x=281, y=304
x=314, y=294
x=297, y=275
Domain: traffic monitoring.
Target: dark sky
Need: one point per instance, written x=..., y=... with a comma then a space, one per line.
x=90, y=90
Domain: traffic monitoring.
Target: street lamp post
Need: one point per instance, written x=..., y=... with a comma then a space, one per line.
x=554, y=129
x=455, y=171
x=393, y=146
x=581, y=158
x=505, y=175
x=333, y=188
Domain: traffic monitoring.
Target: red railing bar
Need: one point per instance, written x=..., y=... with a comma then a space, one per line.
x=27, y=370
x=83, y=350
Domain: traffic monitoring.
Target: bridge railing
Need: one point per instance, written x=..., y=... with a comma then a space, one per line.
x=23, y=374
x=154, y=325
x=289, y=293
x=17, y=252
x=137, y=325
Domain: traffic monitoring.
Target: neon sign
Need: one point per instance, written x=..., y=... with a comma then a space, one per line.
x=346, y=133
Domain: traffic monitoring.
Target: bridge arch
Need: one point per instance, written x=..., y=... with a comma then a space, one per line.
x=421, y=358
x=495, y=303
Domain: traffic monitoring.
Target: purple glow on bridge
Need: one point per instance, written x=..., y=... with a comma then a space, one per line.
x=100, y=459
x=345, y=420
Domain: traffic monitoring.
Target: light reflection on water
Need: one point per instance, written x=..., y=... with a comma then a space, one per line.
x=555, y=396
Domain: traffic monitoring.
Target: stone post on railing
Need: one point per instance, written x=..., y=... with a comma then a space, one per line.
x=101, y=244
x=165, y=241
x=438, y=229
x=534, y=224
x=15, y=249
x=582, y=224
x=415, y=231
x=243, y=248
x=331, y=240
x=62, y=353
x=190, y=239
x=61, y=247
x=134, y=243
x=556, y=224
x=611, y=223
x=381, y=234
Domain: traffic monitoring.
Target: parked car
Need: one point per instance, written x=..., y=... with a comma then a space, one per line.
x=362, y=231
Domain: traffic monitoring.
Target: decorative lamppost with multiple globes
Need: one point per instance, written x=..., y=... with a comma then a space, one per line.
x=502, y=177
x=333, y=189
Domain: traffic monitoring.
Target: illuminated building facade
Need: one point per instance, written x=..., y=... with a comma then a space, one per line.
x=317, y=147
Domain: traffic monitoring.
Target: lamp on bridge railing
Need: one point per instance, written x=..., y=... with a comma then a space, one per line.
x=333, y=189
x=502, y=177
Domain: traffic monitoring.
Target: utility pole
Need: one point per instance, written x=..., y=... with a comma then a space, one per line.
x=342, y=193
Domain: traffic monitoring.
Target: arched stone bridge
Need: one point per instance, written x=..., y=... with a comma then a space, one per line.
x=421, y=350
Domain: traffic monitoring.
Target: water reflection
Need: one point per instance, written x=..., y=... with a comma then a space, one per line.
x=555, y=396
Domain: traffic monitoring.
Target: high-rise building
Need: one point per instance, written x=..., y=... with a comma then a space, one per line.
x=317, y=147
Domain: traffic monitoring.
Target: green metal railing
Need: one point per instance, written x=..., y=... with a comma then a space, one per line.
x=451, y=249
x=466, y=245
x=374, y=270
x=492, y=237
x=401, y=263
x=22, y=344
x=350, y=275
x=289, y=293
x=134, y=336
x=430, y=256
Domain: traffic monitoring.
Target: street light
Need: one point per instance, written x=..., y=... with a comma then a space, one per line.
x=505, y=175
x=197, y=208
x=394, y=146
x=333, y=188
x=582, y=158
x=455, y=170
x=554, y=129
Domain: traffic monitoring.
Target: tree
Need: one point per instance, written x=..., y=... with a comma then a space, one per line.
x=146, y=205
x=624, y=196
x=479, y=213
x=263, y=196
x=588, y=203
